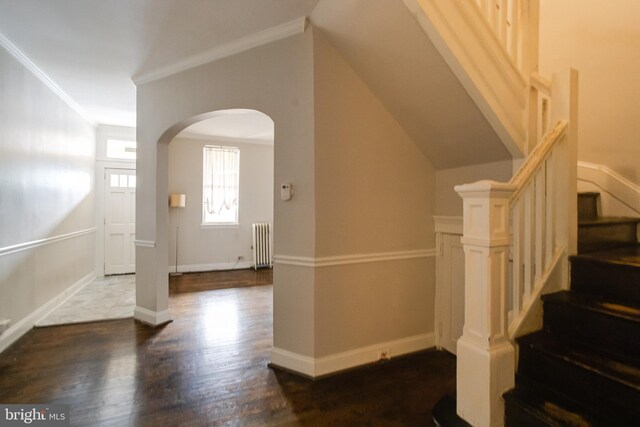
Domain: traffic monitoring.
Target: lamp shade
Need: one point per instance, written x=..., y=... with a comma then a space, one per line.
x=177, y=200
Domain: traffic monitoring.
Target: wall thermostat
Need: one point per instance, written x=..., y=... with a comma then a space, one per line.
x=286, y=191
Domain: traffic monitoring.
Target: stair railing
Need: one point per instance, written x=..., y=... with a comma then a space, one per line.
x=492, y=47
x=515, y=24
x=517, y=238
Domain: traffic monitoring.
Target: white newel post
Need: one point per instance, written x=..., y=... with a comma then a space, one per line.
x=486, y=357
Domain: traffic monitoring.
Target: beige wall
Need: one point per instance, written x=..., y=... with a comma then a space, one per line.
x=206, y=248
x=47, y=155
x=374, y=194
x=601, y=39
x=448, y=202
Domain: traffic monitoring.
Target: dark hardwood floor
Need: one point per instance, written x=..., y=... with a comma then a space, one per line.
x=209, y=367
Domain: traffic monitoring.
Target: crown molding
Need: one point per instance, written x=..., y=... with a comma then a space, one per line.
x=279, y=32
x=39, y=73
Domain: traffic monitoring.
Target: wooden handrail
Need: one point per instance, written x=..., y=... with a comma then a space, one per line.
x=537, y=156
x=540, y=83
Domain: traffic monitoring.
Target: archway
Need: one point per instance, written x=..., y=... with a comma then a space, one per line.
x=221, y=168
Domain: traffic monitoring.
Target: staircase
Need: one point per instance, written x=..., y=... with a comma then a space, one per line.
x=518, y=236
x=583, y=367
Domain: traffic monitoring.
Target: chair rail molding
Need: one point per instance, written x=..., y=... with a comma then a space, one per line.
x=46, y=241
x=144, y=243
x=448, y=224
x=331, y=261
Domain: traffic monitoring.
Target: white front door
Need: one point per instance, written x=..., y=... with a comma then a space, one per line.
x=453, y=291
x=119, y=221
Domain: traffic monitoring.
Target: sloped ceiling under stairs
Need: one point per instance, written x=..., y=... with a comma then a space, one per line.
x=385, y=45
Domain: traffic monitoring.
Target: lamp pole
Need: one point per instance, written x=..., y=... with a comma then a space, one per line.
x=177, y=200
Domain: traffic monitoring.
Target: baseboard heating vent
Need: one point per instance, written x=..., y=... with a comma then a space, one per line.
x=261, y=245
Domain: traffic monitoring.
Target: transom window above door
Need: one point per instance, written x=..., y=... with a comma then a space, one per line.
x=121, y=149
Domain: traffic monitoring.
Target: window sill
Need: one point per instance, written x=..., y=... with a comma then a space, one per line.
x=219, y=225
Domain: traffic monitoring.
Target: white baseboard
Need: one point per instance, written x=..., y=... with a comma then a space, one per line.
x=150, y=317
x=317, y=367
x=295, y=362
x=23, y=326
x=193, y=268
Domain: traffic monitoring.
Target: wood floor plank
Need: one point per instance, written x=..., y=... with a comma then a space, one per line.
x=209, y=367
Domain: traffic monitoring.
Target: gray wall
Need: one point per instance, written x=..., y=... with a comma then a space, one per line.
x=217, y=247
x=448, y=202
x=374, y=194
x=47, y=156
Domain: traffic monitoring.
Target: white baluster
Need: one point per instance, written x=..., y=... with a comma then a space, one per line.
x=516, y=250
x=540, y=222
x=550, y=215
x=529, y=226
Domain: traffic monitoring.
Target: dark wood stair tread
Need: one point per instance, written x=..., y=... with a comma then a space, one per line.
x=607, y=306
x=543, y=406
x=593, y=360
x=625, y=256
x=608, y=220
x=444, y=413
x=588, y=194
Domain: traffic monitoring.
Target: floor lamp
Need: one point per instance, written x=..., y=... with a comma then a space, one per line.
x=177, y=200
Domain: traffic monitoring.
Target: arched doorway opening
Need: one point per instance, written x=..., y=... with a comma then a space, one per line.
x=220, y=174
x=221, y=171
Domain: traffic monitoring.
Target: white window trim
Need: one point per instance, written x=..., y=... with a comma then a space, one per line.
x=208, y=225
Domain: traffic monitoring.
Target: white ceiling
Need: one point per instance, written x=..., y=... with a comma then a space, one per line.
x=91, y=48
x=238, y=124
